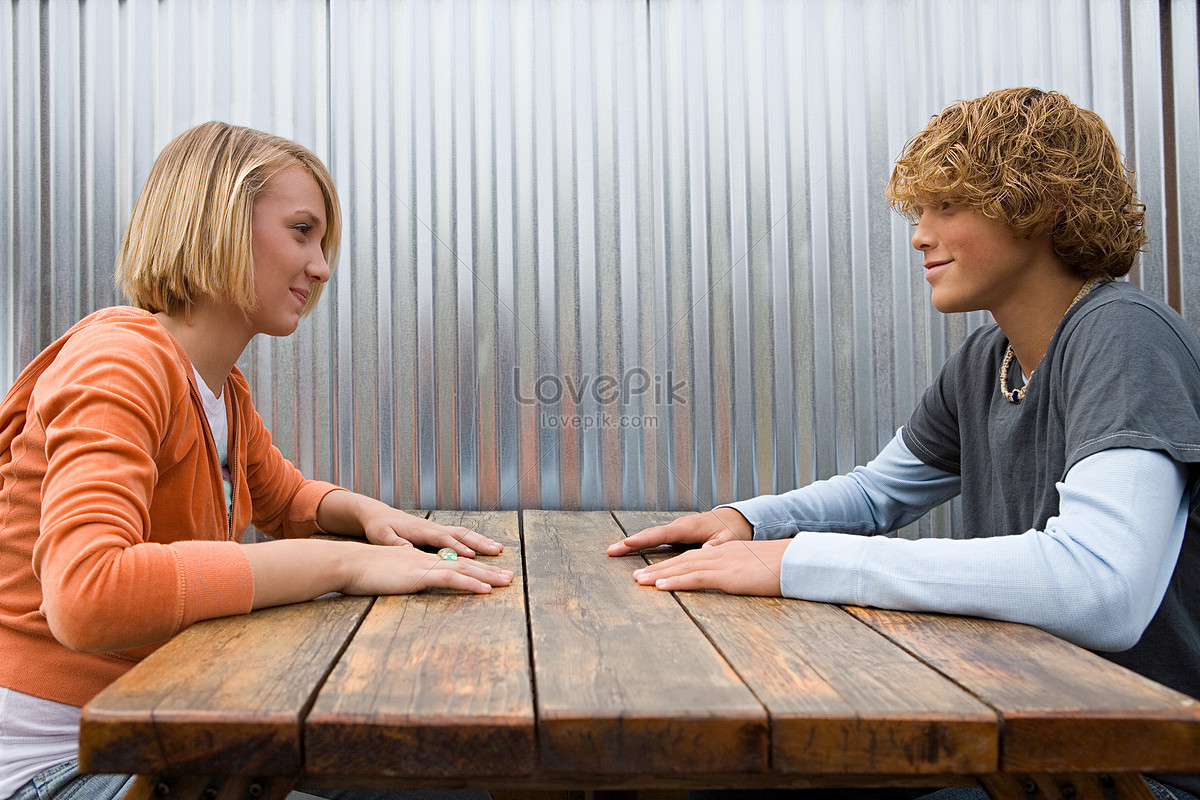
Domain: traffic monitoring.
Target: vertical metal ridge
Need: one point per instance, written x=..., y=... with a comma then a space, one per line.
x=618, y=253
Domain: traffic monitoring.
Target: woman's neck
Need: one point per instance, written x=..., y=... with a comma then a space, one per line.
x=213, y=338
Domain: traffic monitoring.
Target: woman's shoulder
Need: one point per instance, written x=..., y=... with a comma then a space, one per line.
x=117, y=321
x=118, y=341
x=130, y=332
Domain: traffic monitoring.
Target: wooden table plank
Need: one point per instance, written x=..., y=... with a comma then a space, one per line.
x=625, y=682
x=225, y=696
x=1064, y=709
x=435, y=684
x=840, y=696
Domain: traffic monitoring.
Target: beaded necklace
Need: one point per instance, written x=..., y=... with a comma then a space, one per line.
x=1017, y=395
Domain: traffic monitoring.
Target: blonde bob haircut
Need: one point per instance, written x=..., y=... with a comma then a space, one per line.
x=1037, y=162
x=189, y=236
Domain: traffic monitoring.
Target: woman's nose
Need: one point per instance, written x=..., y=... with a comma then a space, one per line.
x=318, y=268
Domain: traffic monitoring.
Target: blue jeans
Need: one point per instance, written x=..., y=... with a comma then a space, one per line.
x=63, y=782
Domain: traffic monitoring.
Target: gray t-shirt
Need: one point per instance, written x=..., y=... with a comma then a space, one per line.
x=1123, y=370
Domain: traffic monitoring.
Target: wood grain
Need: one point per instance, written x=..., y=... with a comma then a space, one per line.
x=435, y=684
x=625, y=682
x=226, y=695
x=841, y=698
x=1064, y=709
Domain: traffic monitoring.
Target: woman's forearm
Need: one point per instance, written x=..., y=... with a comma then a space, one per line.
x=295, y=570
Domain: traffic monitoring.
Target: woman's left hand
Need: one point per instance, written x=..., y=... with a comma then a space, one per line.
x=390, y=526
x=349, y=513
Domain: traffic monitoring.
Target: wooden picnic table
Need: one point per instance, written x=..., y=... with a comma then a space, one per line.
x=575, y=677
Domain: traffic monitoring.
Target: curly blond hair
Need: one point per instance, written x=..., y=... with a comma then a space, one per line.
x=189, y=235
x=1037, y=162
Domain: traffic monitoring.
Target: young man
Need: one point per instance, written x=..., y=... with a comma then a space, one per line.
x=1070, y=428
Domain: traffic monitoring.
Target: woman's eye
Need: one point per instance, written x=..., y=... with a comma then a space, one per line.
x=303, y=228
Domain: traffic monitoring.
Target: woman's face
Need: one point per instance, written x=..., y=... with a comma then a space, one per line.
x=287, y=228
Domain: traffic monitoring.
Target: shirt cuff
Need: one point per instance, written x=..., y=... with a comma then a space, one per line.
x=216, y=580
x=763, y=514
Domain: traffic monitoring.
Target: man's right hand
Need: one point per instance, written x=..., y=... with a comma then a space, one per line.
x=707, y=528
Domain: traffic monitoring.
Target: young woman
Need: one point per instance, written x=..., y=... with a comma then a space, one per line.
x=132, y=459
x=1070, y=428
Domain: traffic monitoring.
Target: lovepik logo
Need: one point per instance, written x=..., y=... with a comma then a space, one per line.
x=603, y=389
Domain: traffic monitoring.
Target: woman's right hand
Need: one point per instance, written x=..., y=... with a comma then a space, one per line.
x=720, y=525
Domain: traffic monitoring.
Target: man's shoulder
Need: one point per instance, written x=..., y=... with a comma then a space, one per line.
x=1122, y=318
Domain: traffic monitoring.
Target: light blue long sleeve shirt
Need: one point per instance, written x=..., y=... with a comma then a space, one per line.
x=1095, y=576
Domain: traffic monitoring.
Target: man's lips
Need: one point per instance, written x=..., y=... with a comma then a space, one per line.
x=932, y=267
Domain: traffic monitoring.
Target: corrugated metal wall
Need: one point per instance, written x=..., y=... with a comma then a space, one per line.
x=611, y=253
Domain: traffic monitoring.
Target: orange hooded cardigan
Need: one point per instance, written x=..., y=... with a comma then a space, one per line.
x=114, y=534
